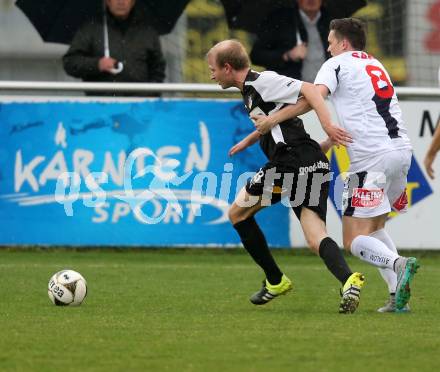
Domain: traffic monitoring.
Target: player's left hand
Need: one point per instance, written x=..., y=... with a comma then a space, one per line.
x=338, y=135
x=239, y=147
x=263, y=124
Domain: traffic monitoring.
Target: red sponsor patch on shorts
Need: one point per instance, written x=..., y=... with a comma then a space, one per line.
x=366, y=198
x=401, y=202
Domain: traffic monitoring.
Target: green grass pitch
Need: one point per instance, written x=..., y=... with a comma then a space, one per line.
x=188, y=310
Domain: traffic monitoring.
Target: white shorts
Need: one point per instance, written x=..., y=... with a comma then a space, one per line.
x=377, y=185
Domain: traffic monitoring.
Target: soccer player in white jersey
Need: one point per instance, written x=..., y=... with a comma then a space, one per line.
x=380, y=155
x=296, y=168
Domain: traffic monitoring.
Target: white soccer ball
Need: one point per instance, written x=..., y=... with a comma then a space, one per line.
x=67, y=288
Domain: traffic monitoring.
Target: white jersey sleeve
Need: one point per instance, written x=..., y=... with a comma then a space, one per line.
x=277, y=88
x=328, y=75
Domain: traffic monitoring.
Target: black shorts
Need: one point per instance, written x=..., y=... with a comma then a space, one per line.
x=305, y=185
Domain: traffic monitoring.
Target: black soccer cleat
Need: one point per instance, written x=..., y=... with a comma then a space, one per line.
x=268, y=291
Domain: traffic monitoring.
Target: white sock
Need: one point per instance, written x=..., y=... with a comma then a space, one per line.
x=388, y=275
x=373, y=251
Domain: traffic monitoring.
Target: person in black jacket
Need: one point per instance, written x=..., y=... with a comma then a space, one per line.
x=131, y=53
x=293, y=41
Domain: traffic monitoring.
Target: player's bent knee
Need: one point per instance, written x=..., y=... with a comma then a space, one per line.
x=313, y=244
x=347, y=243
x=232, y=214
x=237, y=214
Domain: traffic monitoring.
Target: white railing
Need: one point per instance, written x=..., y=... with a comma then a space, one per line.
x=113, y=87
x=163, y=88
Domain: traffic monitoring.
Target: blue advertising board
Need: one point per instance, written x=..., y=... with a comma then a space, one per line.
x=146, y=173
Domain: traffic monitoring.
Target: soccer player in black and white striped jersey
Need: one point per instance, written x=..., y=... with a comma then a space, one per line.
x=296, y=168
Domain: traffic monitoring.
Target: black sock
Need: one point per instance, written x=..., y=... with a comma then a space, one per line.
x=334, y=260
x=255, y=244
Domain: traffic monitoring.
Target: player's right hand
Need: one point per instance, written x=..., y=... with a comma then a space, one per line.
x=263, y=124
x=338, y=135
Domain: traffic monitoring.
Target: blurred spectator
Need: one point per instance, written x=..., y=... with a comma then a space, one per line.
x=293, y=41
x=120, y=47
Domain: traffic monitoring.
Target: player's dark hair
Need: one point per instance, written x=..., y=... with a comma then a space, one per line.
x=352, y=29
x=234, y=53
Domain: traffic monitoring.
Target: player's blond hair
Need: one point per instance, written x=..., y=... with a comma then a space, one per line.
x=231, y=52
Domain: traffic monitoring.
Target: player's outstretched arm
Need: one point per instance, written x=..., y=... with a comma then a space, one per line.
x=326, y=145
x=432, y=152
x=314, y=97
x=264, y=123
x=244, y=143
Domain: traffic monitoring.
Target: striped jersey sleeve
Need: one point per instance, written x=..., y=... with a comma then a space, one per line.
x=273, y=87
